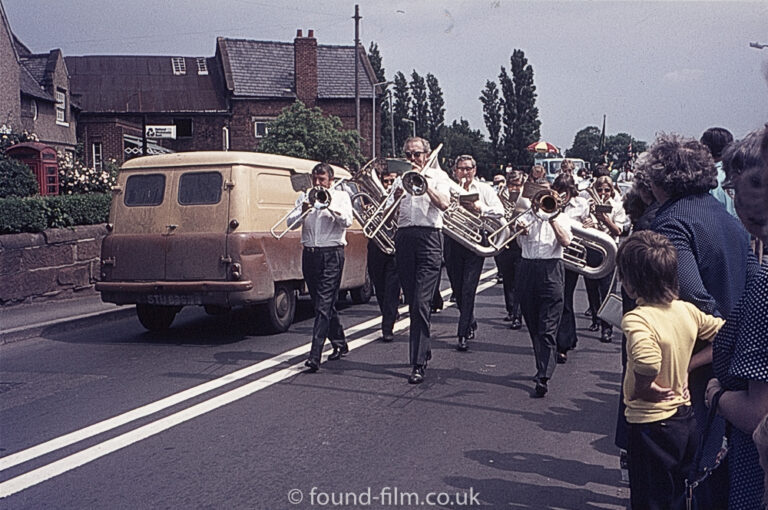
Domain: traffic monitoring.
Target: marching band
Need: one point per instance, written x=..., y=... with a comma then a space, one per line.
x=542, y=239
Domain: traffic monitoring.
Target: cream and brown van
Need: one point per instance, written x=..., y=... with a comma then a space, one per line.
x=194, y=229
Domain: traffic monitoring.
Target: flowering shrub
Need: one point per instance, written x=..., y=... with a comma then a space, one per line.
x=76, y=178
x=12, y=138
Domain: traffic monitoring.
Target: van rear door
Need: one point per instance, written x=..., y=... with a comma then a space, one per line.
x=198, y=222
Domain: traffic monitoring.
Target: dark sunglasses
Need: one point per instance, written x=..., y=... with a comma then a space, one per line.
x=414, y=154
x=387, y=181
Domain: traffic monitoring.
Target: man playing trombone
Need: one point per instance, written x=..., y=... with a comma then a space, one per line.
x=324, y=216
x=541, y=280
x=464, y=266
x=419, y=246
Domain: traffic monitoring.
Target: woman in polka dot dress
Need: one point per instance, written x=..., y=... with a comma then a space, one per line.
x=740, y=354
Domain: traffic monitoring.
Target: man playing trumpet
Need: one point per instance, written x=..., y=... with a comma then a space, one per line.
x=463, y=265
x=323, y=235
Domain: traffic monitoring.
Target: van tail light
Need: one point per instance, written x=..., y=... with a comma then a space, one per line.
x=233, y=224
x=236, y=270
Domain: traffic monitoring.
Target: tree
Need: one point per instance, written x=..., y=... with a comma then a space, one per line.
x=527, y=124
x=402, y=109
x=492, y=116
x=419, y=105
x=508, y=114
x=619, y=146
x=305, y=133
x=459, y=138
x=586, y=145
x=436, y=116
x=384, y=115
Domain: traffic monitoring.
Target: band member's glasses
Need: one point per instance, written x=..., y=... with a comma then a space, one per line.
x=387, y=181
x=415, y=154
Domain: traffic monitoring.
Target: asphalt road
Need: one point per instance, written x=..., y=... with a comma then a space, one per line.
x=215, y=414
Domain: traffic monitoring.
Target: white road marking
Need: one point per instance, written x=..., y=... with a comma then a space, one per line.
x=48, y=471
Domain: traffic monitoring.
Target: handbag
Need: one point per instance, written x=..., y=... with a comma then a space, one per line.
x=611, y=309
x=698, y=476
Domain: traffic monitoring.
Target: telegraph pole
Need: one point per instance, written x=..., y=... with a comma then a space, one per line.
x=357, y=18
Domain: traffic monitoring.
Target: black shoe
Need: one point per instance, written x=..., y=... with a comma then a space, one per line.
x=588, y=312
x=462, y=346
x=516, y=324
x=471, y=333
x=594, y=326
x=338, y=352
x=508, y=318
x=606, y=336
x=387, y=338
x=540, y=390
x=417, y=375
x=562, y=358
x=312, y=365
x=436, y=309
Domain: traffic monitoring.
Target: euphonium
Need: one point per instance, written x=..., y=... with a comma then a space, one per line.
x=575, y=254
x=370, y=196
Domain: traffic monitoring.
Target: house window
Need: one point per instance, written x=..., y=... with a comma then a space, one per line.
x=61, y=106
x=98, y=163
x=260, y=128
x=179, y=66
x=183, y=128
x=202, y=66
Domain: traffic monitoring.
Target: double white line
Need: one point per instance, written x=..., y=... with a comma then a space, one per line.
x=56, y=468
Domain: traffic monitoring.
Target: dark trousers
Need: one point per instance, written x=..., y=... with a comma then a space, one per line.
x=597, y=290
x=464, y=268
x=508, y=262
x=419, y=254
x=540, y=283
x=383, y=274
x=566, y=333
x=660, y=456
x=322, y=271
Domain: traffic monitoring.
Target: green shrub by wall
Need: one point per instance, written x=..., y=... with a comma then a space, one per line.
x=35, y=214
x=16, y=179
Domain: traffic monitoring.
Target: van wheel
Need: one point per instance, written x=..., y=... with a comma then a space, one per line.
x=361, y=295
x=282, y=308
x=155, y=317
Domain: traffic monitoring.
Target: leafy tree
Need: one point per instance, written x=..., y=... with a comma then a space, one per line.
x=419, y=105
x=459, y=138
x=586, y=145
x=508, y=114
x=402, y=108
x=305, y=133
x=384, y=115
x=492, y=116
x=436, y=115
x=618, y=146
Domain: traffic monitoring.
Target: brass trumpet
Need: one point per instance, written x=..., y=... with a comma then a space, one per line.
x=317, y=197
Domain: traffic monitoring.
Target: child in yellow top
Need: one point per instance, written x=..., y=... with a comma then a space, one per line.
x=661, y=333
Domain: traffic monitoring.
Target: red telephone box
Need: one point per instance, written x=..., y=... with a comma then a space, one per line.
x=42, y=160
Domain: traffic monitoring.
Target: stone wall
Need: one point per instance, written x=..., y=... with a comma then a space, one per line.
x=54, y=264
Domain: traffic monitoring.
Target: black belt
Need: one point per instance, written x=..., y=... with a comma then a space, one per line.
x=419, y=227
x=314, y=249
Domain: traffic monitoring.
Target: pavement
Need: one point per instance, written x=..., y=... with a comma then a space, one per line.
x=28, y=320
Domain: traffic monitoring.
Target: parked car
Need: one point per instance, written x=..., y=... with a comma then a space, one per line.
x=194, y=229
x=552, y=166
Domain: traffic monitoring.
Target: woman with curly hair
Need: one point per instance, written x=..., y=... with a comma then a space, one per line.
x=714, y=256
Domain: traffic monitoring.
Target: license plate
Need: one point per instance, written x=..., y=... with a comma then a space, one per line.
x=172, y=299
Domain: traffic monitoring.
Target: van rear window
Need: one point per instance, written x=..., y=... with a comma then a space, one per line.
x=200, y=188
x=143, y=190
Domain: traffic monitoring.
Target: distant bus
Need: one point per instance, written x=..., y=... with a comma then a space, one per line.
x=552, y=166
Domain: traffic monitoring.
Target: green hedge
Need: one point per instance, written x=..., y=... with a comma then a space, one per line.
x=35, y=214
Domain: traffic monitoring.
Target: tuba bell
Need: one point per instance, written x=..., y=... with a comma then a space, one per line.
x=368, y=199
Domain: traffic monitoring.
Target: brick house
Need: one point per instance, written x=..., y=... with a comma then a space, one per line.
x=35, y=92
x=216, y=103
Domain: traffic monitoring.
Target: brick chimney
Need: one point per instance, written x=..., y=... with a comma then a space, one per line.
x=305, y=67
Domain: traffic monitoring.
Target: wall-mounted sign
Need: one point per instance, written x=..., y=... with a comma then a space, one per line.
x=161, y=132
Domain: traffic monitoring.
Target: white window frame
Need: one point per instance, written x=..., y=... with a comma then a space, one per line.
x=61, y=107
x=178, y=65
x=33, y=107
x=202, y=66
x=263, y=123
x=97, y=151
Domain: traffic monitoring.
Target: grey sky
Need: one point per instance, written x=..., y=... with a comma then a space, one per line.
x=649, y=66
